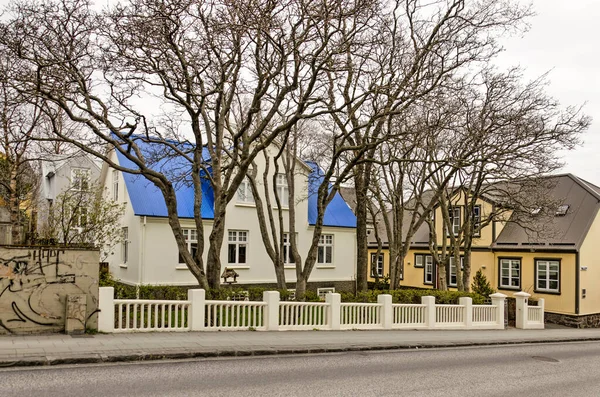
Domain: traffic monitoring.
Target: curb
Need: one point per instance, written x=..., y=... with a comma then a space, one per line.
x=96, y=358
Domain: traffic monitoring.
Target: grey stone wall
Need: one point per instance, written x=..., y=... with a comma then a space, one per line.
x=35, y=283
x=585, y=321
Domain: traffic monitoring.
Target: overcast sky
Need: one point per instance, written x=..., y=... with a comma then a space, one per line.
x=562, y=40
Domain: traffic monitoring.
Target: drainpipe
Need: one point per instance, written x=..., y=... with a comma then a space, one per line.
x=142, y=248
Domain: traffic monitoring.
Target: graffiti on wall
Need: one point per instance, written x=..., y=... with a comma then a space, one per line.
x=34, y=284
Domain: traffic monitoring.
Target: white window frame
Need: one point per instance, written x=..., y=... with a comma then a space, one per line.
x=191, y=240
x=452, y=270
x=238, y=239
x=428, y=269
x=455, y=220
x=80, y=217
x=286, y=250
x=244, y=192
x=79, y=175
x=513, y=274
x=477, y=220
x=115, y=183
x=322, y=292
x=283, y=190
x=325, y=244
x=547, y=280
x=125, y=246
x=380, y=262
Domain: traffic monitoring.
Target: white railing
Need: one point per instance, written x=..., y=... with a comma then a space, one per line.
x=234, y=315
x=303, y=315
x=529, y=317
x=409, y=316
x=450, y=315
x=360, y=315
x=151, y=315
x=197, y=314
x=485, y=314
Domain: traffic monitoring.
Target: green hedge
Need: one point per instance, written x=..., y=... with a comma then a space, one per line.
x=170, y=292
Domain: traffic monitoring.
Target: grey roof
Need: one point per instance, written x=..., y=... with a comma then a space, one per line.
x=556, y=232
x=543, y=231
x=349, y=196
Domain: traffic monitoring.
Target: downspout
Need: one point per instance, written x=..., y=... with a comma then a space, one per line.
x=142, y=248
x=577, y=282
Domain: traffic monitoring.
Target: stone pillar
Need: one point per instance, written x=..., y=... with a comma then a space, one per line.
x=521, y=320
x=106, y=307
x=429, y=302
x=467, y=302
x=498, y=300
x=197, y=298
x=387, y=311
x=334, y=300
x=271, y=313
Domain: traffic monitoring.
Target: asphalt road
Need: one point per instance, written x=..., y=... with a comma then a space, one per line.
x=571, y=369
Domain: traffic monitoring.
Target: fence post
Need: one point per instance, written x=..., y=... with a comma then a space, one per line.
x=334, y=300
x=106, y=307
x=197, y=298
x=522, y=310
x=498, y=301
x=429, y=302
x=467, y=302
x=542, y=304
x=387, y=311
x=271, y=320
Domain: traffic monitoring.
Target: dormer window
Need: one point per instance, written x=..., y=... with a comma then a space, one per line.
x=562, y=210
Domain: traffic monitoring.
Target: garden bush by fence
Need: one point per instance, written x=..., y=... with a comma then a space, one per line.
x=196, y=313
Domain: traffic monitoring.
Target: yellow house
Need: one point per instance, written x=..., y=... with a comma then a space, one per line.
x=560, y=264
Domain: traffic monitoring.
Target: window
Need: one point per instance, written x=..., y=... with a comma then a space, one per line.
x=287, y=249
x=325, y=250
x=477, y=220
x=510, y=273
x=125, y=245
x=562, y=210
x=547, y=275
x=283, y=190
x=377, y=265
x=454, y=213
x=238, y=246
x=428, y=271
x=419, y=260
x=244, y=192
x=80, y=217
x=80, y=178
x=452, y=271
x=322, y=292
x=115, y=182
x=191, y=240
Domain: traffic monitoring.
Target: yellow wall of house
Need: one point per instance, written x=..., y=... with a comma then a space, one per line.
x=486, y=234
x=488, y=261
x=589, y=258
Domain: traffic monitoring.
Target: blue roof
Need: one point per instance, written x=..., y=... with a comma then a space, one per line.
x=338, y=212
x=147, y=200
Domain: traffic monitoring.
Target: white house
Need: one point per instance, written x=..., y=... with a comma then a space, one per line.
x=150, y=255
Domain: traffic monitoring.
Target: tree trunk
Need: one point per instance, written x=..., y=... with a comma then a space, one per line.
x=15, y=215
x=213, y=263
x=362, y=251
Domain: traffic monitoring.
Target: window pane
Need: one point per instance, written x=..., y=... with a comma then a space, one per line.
x=328, y=254
x=242, y=253
x=554, y=285
x=232, y=236
x=231, y=253
x=194, y=249
x=320, y=255
x=541, y=284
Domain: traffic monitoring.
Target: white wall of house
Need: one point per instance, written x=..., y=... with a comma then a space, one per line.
x=153, y=246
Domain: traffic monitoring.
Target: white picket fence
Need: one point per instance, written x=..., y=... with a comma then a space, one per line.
x=197, y=314
x=529, y=317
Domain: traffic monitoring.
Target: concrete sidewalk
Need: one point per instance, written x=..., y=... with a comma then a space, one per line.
x=64, y=349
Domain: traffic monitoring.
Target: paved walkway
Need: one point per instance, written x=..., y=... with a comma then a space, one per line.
x=65, y=349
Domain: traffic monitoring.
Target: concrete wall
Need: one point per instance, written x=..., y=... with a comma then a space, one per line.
x=35, y=282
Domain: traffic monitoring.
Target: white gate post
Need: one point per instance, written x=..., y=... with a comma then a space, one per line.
x=334, y=301
x=467, y=302
x=429, y=302
x=387, y=313
x=522, y=310
x=498, y=301
x=197, y=298
x=271, y=313
x=106, y=306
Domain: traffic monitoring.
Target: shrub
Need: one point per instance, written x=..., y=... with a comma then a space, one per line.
x=481, y=285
